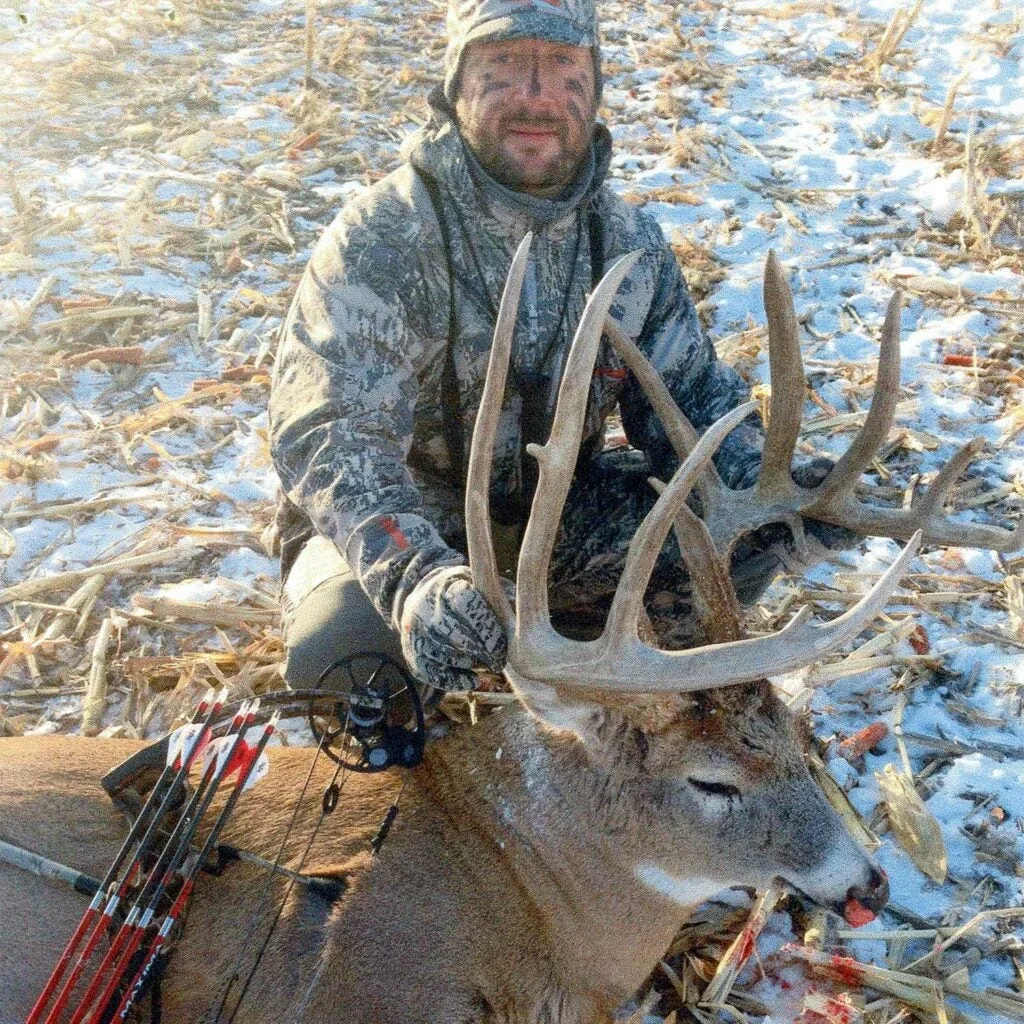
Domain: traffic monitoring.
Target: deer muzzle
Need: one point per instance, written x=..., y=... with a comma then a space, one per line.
x=865, y=902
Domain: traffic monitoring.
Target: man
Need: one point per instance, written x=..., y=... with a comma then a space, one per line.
x=382, y=359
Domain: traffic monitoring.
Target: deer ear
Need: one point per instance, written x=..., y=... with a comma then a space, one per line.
x=559, y=711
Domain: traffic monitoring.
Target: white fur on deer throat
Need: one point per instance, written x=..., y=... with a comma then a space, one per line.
x=685, y=890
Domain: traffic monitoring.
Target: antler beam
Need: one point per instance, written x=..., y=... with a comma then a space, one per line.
x=776, y=497
x=618, y=661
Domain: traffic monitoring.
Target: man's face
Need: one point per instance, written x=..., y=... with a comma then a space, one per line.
x=526, y=107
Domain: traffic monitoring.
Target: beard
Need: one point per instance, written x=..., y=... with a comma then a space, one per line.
x=541, y=177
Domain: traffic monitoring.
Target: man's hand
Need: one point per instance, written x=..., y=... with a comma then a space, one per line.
x=813, y=472
x=835, y=538
x=448, y=628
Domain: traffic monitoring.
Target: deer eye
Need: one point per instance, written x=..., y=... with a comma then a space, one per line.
x=719, y=789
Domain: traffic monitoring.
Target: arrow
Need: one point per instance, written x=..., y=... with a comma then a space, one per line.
x=219, y=750
x=163, y=792
x=129, y=935
x=247, y=777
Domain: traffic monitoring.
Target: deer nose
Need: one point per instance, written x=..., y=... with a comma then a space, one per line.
x=863, y=902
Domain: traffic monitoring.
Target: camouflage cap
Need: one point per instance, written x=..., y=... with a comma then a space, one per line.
x=573, y=22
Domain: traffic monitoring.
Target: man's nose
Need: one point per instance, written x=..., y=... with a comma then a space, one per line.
x=537, y=84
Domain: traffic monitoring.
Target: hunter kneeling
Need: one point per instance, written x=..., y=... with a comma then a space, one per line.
x=381, y=366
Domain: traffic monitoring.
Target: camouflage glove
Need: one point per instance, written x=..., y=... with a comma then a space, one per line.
x=448, y=628
x=760, y=556
x=835, y=538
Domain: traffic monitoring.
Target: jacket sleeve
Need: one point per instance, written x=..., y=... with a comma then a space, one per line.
x=703, y=387
x=346, y=381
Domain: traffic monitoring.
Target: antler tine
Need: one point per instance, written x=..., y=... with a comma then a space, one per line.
x=557, y=458
x=483, y=564
x=927, y=504
x=715, y=603
x=924, y=514
x=619, y=662
x=678, y=429
x=648, y=539
x=715, y=599
x=788, y=384
x=881, y=414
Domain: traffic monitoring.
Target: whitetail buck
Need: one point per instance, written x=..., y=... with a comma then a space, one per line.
x=544, y=859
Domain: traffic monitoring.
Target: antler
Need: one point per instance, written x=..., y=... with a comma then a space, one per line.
x=776, y=497
x=618, y=660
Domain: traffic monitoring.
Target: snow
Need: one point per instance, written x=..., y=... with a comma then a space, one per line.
x=801, y=148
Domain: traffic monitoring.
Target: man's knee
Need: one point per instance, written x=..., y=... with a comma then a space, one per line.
x=327, y=616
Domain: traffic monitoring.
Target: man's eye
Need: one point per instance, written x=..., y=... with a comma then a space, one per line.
x=719, y=789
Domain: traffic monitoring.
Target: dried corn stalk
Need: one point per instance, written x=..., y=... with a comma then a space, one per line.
x=741, y=949
x=840, y=803
x=96, y=695
x=1015, y=604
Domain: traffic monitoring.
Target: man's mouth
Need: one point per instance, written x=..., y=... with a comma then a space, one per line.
x=532, y=131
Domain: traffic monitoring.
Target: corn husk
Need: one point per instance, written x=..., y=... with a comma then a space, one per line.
x=914, y=826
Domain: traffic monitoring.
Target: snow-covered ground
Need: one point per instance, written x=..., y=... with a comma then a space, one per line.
x=163, y=161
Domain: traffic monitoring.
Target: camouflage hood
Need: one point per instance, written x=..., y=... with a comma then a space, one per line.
x=570, y=22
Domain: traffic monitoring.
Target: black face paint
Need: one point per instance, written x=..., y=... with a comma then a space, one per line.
x=576, y=113
x=577, y=86
x=535, y=80
x=490, y=86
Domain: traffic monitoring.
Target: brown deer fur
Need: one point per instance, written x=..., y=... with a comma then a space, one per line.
x=508, y=891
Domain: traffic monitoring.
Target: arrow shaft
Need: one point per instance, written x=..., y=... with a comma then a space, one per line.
x=176, y=849
x=164, y=791
x=136, y=986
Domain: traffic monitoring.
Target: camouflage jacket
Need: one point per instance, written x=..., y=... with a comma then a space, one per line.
x=361, y=410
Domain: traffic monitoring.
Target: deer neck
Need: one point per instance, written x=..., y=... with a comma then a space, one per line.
x=554, y=821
